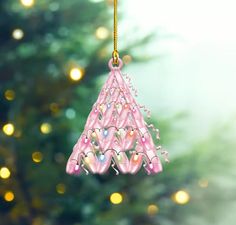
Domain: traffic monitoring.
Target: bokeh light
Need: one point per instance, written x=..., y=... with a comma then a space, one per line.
x=59, y=157
x=61, y=188
x=127, y=59
x=203, y=183
x=9, y=95
x=5, y=173
x=70, y=113
x=181, y=197
x=38, y=221
x=46, y=128
x=37, y=202
x=37, y=157
x=102, y=33
x=27, y=3
x=54, y=107
x=17, y=34
x=76, y=73
x=116, y=198
x=9, y=196
x=103, y=53
x=8, y=129
x=152, y=209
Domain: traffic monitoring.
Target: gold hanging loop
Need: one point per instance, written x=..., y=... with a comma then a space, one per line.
x=115, y=53
x=115, y=56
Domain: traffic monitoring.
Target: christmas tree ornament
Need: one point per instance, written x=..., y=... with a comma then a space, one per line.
x=116, y=134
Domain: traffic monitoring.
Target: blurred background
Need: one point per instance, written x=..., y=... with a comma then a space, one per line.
x=181, y=57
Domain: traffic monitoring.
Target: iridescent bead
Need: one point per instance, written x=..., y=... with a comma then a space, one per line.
x=126, y=106
x=94, y=135
x=76, y=167
x=86, y=159
x=101, y=107
x=118, y=157
x=143, y=139
x=131, y=133
x=118, y=106
x=102, y=157
x=105, y=132
x=135, y=157
x=96, y=147
x=151, y=165
x=86, y=140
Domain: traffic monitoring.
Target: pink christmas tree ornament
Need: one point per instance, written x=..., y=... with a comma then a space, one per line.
x=115, y=133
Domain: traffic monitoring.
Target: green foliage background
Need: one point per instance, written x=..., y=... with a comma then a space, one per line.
x=57, y=36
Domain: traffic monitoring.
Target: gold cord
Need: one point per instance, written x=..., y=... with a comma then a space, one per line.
x=115, y=53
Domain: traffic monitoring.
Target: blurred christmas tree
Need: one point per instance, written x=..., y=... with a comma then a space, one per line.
x=51, y=53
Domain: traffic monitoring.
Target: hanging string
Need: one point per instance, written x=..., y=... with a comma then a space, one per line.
x=115, y=53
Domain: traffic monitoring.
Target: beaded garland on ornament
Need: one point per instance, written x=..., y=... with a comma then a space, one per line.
x=116, y=134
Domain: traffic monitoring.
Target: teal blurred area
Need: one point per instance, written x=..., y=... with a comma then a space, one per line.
x=181, y=58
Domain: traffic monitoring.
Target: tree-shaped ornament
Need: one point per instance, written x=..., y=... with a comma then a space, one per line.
x=116, y=133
